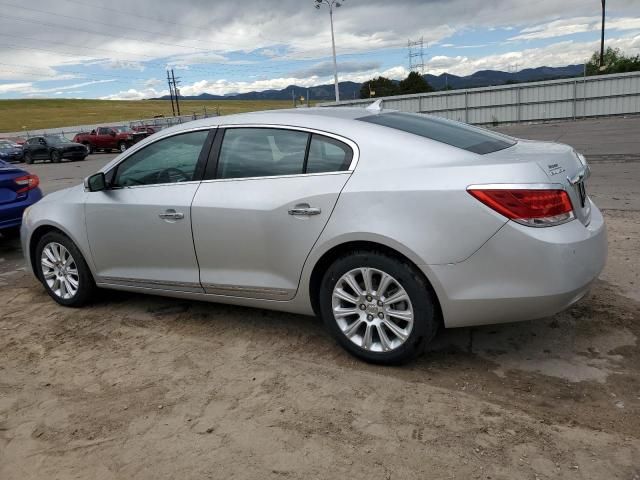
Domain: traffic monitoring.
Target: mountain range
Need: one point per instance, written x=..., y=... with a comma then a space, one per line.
x=350, y=90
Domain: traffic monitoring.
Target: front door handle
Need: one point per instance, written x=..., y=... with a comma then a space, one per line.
x=171, y=215
x=306, y=211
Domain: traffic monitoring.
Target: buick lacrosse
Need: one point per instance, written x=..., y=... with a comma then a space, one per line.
x=387, y=225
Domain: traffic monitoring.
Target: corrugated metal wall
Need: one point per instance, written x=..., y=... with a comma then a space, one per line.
x=600, y=95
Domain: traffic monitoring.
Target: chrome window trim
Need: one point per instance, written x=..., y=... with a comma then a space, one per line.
x=353, y=145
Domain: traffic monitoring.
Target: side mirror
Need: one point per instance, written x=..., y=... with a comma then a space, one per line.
x=96, y=182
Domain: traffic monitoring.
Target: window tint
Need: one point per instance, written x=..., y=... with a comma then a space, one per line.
x=328, y=155
x=261, y=152
x=171, y=160
x=457, y=134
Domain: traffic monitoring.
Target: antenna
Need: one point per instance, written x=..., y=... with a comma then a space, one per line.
x=375, y=106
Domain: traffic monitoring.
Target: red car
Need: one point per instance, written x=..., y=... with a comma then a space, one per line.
x=109, y=138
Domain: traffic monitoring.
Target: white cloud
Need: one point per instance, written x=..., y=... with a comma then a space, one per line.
x=570, y=26
x=555, y=55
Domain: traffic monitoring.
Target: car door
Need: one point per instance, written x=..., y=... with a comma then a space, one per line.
x=139, y=229
x=263, y=205
x=104, y=139
x=38, y=148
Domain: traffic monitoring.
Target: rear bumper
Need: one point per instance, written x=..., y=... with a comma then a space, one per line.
x=11, y=213
x=522, y=273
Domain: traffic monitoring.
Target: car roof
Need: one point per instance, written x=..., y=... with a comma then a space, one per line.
x=304, y=117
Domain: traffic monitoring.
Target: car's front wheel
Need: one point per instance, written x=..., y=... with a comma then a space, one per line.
x=55, y=156
x=63, y=270
x=28, y=159
x=379, y=308
x=122, y=147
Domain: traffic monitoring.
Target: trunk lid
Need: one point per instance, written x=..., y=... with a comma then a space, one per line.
x=560, y=163
x=8, y=186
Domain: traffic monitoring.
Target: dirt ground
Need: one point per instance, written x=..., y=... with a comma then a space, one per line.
x=152, y=388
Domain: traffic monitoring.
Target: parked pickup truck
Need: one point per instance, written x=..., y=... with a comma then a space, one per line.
x=109, y=138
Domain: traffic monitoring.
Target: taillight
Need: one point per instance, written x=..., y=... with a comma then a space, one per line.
x=536, y=208
x=28, y=182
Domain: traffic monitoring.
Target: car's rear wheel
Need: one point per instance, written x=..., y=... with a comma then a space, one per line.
x=63, y=270
x=379, y=308
x=28, y=158
x=55, y=156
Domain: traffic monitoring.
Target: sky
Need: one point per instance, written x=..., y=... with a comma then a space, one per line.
x=121, y=49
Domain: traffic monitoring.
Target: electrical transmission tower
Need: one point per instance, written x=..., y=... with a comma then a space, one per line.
x=416, y=55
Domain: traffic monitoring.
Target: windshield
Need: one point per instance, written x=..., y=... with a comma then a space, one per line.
x=122, y=129
x=461, y=135
x=56, y=139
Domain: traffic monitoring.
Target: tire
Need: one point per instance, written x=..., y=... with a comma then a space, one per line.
x=28, y=159
x=55, y=156
x=90, y=147
x=86, y=287
x=372, y=313
x=122, y=146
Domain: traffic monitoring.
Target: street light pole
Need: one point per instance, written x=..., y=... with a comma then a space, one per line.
x=331, y=4
x=602, y=37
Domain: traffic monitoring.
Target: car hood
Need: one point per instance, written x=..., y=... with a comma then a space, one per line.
x=11, y=150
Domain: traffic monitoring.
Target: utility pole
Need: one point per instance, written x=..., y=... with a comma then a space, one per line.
x=602, y=66
x=176, y=90
x=331, y=4
x=173, y=110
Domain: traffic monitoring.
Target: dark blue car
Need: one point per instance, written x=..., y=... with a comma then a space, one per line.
x=18, y=190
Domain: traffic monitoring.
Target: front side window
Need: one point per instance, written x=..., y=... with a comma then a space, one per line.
x=170, y=160
x=461, y=135
x=261, y=152
x=328, y=155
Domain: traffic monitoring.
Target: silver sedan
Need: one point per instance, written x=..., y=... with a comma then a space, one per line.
x=387, y=225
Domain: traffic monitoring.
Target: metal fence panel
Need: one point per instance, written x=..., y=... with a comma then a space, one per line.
x=601, y=95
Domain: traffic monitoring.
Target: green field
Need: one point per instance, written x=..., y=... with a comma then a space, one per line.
x=17, y=115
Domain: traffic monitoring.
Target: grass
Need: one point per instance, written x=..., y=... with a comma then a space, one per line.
x=17, y=115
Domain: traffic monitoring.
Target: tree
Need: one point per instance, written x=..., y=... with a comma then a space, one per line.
x=383, y=87
x=614, y=62
x=414, y=83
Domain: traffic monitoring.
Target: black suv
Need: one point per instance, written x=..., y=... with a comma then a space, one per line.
x=53, y=148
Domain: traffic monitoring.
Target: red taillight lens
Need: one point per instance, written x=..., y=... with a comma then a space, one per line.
x=28, y=182
x=529, y=207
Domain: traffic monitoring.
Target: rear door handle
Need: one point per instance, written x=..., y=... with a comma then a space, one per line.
x=171, y=215
x=306, y=211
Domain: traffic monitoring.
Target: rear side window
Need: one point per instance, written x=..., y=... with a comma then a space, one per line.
x=460, y=135
x=328, y=155
x=262, y=152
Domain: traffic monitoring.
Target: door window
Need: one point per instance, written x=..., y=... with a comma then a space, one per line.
x=170, y=160
x=103, y=131
x=261, y=152
x=328, y=155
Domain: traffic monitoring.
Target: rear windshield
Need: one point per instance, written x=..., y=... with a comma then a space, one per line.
x=461, y=135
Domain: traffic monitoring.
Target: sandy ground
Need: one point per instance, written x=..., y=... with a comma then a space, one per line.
x=151, y=388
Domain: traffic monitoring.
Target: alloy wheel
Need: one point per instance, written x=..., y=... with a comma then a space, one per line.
x=59, y=270
x=372, y=309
